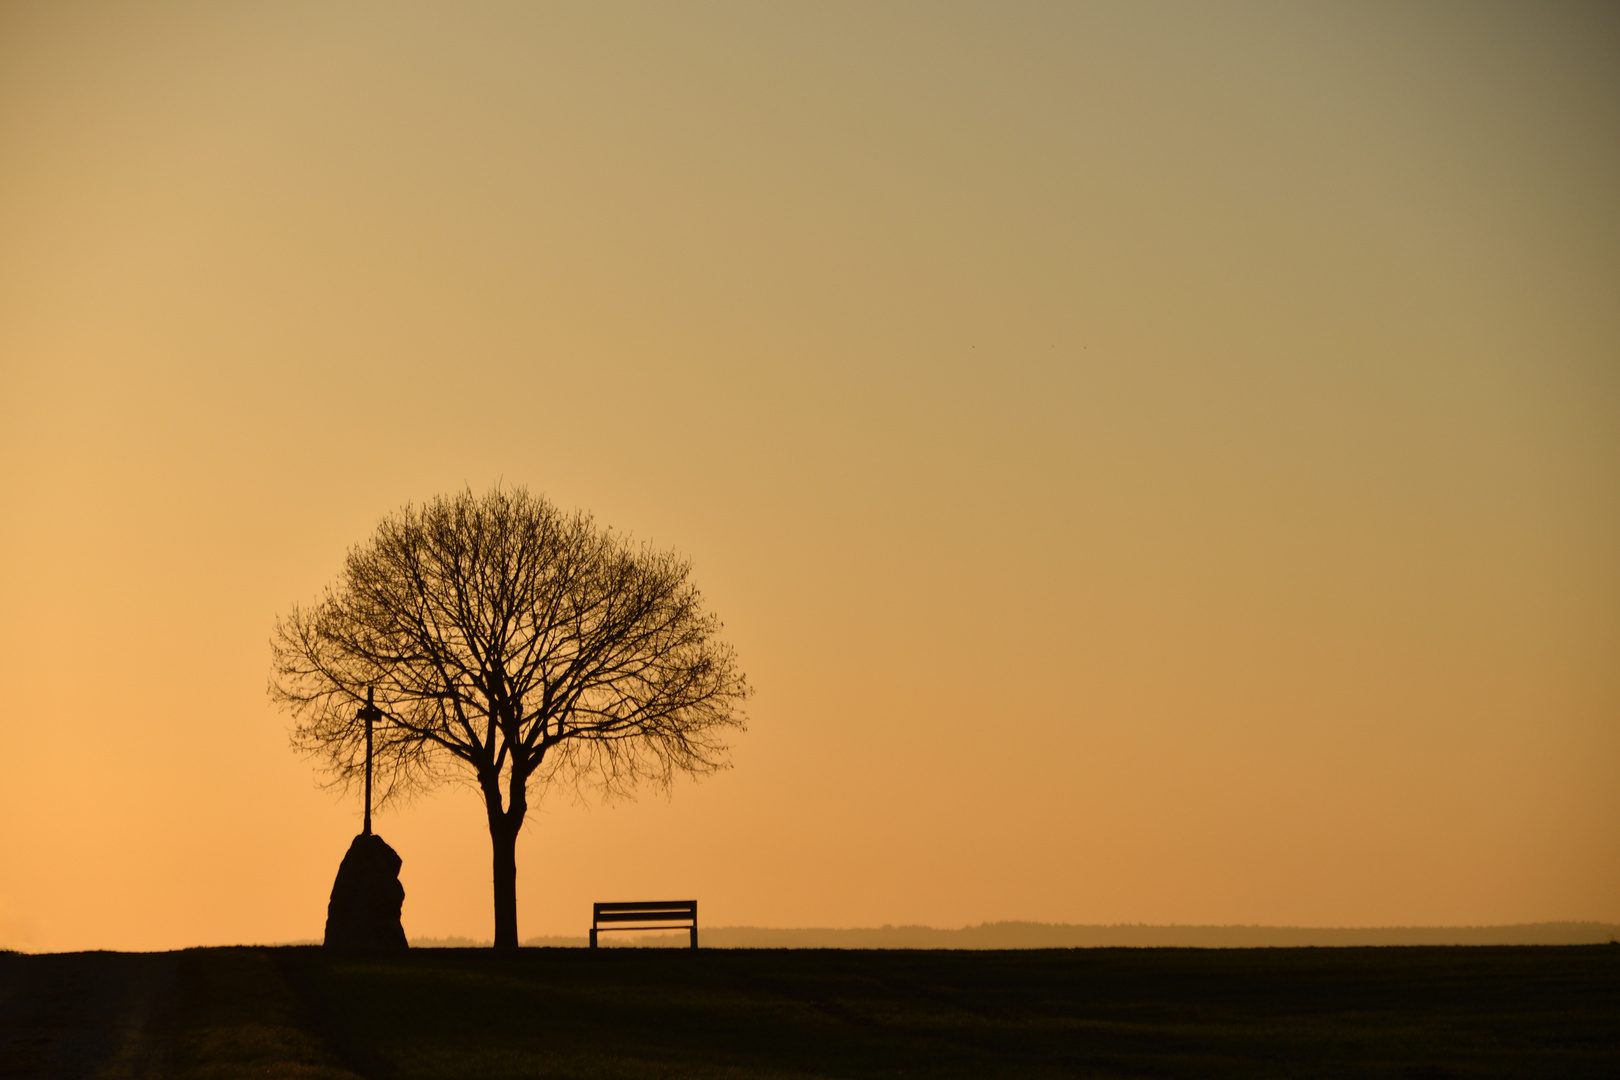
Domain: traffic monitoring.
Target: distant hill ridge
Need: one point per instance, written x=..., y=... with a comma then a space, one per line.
x=1033, y=935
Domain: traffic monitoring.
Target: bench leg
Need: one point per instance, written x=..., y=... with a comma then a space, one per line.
x=694, y=937
x=593, y=937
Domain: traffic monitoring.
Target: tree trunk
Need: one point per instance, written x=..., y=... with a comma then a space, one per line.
x=504, y=826
x=503, y=839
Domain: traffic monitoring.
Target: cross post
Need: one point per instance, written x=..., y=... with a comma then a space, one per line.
x=369, y=713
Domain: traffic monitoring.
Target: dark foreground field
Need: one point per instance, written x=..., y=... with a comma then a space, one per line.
x=306, y=1012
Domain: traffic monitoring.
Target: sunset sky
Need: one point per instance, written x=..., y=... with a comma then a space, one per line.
x=1157, y=463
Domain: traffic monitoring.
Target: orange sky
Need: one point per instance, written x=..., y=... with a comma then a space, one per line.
x=1157, y=463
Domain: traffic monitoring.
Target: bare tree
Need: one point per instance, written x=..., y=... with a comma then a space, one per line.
x=513, y=642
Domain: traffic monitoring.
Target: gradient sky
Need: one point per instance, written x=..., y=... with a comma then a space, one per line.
x=1157, y=462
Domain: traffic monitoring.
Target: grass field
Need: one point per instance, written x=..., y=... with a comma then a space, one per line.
x=308, y=1012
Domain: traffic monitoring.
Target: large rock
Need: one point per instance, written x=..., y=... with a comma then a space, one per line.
x=366, y=898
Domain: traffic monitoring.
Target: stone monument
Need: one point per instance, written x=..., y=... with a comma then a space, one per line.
x=363, y=912
x=366, y=898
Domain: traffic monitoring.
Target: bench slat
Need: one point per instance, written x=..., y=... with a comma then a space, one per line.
x=646, y=918
x=642, y=905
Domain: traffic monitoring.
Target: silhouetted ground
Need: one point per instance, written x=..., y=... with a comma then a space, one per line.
x=307, y=1012
x=192, y=1014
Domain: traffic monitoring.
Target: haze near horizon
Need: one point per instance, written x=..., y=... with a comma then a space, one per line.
x=1156, y=464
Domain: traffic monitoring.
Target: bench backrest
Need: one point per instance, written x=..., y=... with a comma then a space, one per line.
x=646, y=911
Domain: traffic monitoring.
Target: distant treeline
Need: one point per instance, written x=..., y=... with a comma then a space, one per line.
x=1030, y=935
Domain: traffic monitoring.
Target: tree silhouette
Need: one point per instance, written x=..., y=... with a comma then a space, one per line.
x=513, y=642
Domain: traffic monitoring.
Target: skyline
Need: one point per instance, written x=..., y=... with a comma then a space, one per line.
x=1154, y=464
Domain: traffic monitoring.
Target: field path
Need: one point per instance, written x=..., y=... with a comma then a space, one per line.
x=202, y=1014
x=77, y=1015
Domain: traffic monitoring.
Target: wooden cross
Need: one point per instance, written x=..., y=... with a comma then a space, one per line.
x=369, y=713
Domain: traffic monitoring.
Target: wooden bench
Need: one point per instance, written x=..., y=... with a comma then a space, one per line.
x=646, y=911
